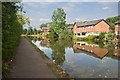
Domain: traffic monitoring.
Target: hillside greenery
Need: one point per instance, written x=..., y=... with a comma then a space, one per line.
x=111, y=21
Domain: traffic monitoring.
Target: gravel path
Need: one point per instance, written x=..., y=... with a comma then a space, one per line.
x=28, y=63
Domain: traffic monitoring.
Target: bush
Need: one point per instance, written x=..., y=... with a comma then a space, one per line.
x=102, y=35
x=90, y=37
x=110, y=36
x=67, y=34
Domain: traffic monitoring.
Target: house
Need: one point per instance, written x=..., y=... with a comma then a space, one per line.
x=83, y=29
x=117, y=28
x=45, y=30
x=70, y=28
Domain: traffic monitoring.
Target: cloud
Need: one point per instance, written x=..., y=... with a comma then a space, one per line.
x=43, y=19
x=104, y=8
x=38, y=4
x=69, y=6
x=77, y=19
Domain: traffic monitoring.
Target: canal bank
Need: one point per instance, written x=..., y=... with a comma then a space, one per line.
x=28, y=63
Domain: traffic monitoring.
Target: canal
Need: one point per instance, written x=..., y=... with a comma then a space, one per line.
x=82, y=59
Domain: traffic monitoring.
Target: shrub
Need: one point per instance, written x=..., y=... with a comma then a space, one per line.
x=102, y=35
x=110, y=36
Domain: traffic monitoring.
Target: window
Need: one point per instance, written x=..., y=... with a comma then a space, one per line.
x=92, y=26
x=118, y=25
x=97, y=32
x=88, y=31
x=78, y=34
x=92, y=32
x=75, y=34
x=88, y=26
x=117, y=32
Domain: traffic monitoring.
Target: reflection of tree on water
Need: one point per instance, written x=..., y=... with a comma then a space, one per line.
x=58, y=52
x=34, y=38
x=112, y=51
x=58, y=48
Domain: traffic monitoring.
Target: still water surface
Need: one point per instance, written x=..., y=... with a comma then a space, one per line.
x=82, y=59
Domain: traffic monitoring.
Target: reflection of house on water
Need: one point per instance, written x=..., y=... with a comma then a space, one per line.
x=95, y=50
x=45, y=42
x=90, y=49
x=117, y=50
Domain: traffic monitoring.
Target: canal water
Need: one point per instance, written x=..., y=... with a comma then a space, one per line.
x=82, y=59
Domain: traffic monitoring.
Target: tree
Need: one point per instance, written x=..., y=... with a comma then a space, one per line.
x=35, y=31
x=43, y=25
x=30, y=31
x=101, y=35
x=58, y=21
x=111, y=21
x=38, y=31
x=24, y=31
x=12, y=26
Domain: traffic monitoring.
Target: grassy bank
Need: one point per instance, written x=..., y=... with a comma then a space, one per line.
x=56, y=69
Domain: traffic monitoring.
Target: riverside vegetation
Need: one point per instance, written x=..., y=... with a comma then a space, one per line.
x=13, y=20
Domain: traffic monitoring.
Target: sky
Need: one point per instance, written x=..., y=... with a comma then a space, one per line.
x=41, y=12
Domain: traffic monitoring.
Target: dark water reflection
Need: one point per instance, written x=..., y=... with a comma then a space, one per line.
x=82, y=59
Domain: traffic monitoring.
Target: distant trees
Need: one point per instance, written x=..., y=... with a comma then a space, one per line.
x=45, y=24
x=24, y=31
x=31, y=31
x=111, y=21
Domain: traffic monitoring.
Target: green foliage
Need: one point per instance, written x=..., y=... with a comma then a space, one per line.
x=24, y=31
x=67, y=34
x=30, y=31
x=45, y=24
x=89, y=37
x=102, y=35
x=51, y=36
x=110, y=36
x=35, y=31
x=66, y=25
x=12, y=27
x=39, y=32
x=11, y=30
x=111, y=21
x=58, y=21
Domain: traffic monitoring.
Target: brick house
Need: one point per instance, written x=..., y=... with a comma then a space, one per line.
x=45, y=30
x=117, y=28
x=82, y=29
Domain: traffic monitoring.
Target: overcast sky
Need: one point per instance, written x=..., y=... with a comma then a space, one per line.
x=41, y=12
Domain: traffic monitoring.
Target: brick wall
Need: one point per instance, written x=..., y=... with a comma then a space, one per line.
x=100, y=27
